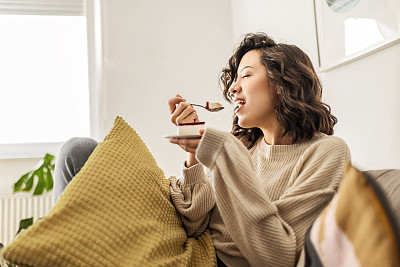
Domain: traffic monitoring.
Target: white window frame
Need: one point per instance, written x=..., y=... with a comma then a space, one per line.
x=91, y=9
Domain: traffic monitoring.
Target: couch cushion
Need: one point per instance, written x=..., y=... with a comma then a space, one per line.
x=358, y=227
x=389, y=181
x=115, y=212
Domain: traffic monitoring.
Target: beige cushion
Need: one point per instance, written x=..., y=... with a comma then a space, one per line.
x=115, y=212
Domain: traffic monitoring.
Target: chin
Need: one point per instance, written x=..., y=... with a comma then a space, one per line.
x=243, y=124
x=247, y=125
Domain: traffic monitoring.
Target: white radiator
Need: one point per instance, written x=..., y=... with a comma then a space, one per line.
x=13, y=208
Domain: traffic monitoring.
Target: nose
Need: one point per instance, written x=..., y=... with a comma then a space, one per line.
x=234, y=89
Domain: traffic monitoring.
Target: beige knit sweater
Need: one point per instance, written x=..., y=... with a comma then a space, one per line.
x=258, y=203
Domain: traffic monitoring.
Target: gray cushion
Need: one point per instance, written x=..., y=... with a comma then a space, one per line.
x=389, y=180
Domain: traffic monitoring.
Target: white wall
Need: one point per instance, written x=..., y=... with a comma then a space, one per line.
x=287, y=21
x=154, y=49
x=365, y=96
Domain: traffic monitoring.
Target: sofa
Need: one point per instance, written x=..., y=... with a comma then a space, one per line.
x=389, y=180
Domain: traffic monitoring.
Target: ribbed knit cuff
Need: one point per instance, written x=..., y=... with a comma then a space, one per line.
x=210, y=146
x=194, y=174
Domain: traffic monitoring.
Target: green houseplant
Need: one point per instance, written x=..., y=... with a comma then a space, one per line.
x=44, y=177
x=43, y=174
x=37, y=181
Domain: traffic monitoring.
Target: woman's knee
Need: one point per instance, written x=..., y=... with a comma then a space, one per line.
x=75, y=152
x=72, y=156
x=78, y=145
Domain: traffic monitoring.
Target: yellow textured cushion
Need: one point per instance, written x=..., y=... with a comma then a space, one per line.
x=115, y=212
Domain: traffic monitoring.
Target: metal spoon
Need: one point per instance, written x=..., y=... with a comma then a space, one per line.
x=208, y=108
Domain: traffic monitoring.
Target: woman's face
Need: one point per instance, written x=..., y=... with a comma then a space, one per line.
x=254, y=96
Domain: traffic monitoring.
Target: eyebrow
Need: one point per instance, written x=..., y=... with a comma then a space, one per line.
x=246, y=68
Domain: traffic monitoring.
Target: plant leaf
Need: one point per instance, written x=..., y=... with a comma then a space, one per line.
x=49, y=179
x=48, y=159
x=44, y=173
x=29, y=182
x=41, y=184
x=20, y=182
x=24, y=224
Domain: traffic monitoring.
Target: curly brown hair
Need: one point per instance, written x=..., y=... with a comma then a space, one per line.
x=300, y=111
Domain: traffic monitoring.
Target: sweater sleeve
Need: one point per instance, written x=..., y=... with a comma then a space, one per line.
x=268, y=233
x=193, y=198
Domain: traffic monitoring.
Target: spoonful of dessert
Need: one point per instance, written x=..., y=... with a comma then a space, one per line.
x=210, y=106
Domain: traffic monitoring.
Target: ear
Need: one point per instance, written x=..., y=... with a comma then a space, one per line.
x=278, y=89
x=278, y=95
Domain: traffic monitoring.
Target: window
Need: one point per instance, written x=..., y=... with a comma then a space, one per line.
x=44, y=90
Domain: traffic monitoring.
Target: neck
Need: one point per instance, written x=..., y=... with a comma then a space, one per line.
x=274, y=136
x=272, y=139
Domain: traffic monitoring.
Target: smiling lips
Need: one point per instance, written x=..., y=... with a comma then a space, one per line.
x=239, y=104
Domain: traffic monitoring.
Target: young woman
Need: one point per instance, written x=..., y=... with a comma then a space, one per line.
x=271, y=177
x=278, y=169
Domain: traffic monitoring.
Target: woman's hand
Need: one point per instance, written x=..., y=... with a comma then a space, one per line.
x=181, y=112
x=189, y=145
